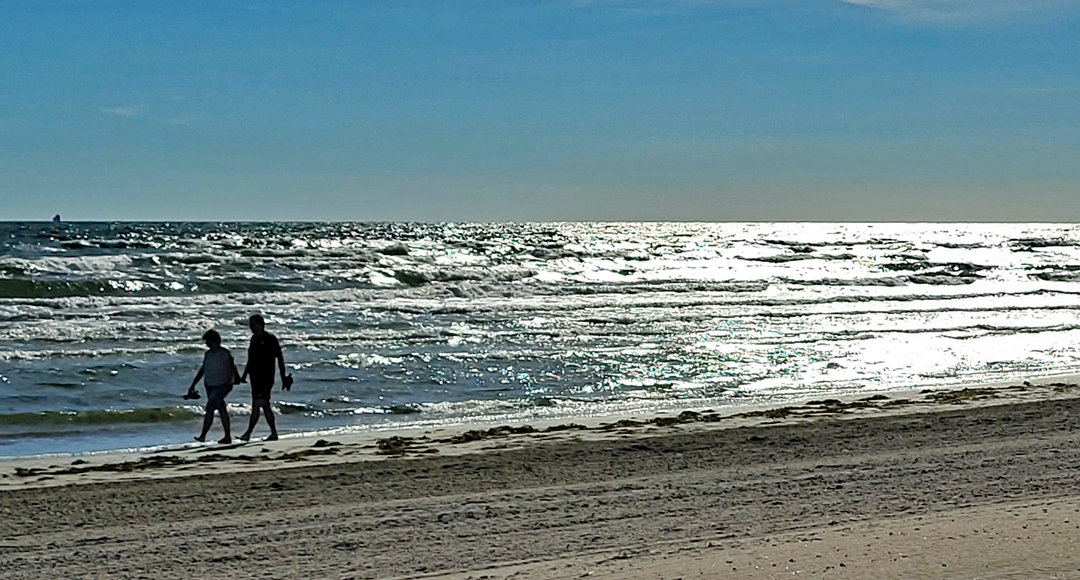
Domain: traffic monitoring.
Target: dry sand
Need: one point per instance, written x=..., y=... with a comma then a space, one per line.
x=972, y=483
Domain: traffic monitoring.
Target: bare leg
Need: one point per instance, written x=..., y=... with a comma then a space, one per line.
x=253, y=421
x=270, y=420
x=225, y=424
x=207, y=421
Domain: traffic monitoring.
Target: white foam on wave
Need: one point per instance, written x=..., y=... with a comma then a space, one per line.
x=68, y=265
x=473, y=322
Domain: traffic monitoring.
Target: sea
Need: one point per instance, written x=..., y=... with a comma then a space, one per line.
x=428, y=325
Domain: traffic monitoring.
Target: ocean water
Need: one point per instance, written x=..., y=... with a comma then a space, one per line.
x=400, y=324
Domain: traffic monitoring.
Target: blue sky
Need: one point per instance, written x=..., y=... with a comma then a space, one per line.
x=541, y=110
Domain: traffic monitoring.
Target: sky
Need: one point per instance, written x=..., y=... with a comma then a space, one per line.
x=541, y=110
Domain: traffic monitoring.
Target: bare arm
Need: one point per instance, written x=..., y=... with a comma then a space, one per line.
x=280, y=359
x=198, y=376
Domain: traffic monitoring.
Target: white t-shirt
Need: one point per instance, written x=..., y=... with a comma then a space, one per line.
x=218, y=368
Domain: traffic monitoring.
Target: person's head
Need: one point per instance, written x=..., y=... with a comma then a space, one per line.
x=212, y=338
x=257, y=323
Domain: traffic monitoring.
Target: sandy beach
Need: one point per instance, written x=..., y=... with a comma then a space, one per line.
x=540, y=290
x=974, y=482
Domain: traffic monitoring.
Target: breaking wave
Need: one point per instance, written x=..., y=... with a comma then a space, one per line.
x=393, y=323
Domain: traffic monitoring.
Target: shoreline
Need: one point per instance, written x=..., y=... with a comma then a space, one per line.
x=334, y=446
x=648, y=409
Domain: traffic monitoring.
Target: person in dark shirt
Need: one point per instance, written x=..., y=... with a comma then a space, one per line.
x=264, y=355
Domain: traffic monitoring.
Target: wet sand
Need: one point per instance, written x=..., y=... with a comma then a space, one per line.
x=969, y=483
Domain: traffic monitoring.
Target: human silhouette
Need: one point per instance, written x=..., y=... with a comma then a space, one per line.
x=219, y=373
x=264, y=351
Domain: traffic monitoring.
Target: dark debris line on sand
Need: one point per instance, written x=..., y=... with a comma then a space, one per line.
x=145, y=463
x=397, y=445
x=402, y=446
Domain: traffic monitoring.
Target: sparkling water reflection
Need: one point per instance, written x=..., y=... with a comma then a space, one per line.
x=437, y=323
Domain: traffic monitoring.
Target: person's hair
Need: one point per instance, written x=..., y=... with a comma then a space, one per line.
x=257, y=318
x=212, y=336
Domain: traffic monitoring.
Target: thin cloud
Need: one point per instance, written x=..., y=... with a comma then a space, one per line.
x=121, y=111
x=957, y=12
x=180, y=120
x=965, y=11
x=1042, y=90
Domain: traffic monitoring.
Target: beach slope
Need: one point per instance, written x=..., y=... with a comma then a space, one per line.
x=950, y=484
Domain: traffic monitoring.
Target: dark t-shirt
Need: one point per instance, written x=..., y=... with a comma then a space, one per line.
x=262, y=358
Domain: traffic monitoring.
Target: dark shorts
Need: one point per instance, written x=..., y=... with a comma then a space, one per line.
x=261, y=390
x=215, y=396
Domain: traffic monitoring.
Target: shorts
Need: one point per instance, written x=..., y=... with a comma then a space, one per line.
x=261, y=390
x=215, y=396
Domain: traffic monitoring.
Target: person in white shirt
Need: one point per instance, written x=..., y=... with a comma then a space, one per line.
x=219, y=373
